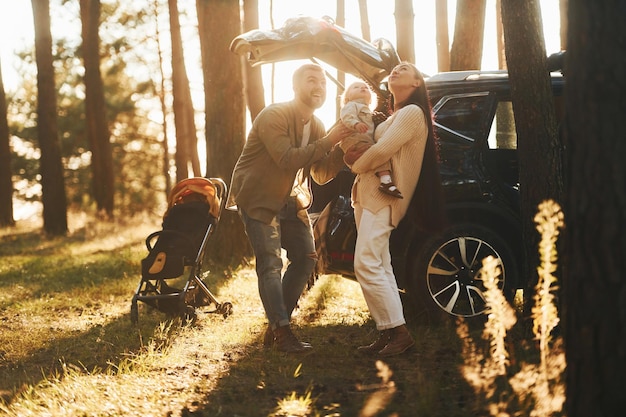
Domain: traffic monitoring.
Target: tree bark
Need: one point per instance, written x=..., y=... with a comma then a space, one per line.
x=95, y=111
x=500, y=36
x=184, y=121
x=161, y=94
x=563, y=21
x=538, y=145
x=219, y=23
x=365, y=21
x=595, y=207
x=52, y=180
x=6, y=182
x=467, y=47
x=255, y=93
x=341, y=76
x=405, y=33
x=443, y=38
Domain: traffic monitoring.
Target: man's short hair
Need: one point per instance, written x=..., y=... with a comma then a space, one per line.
x=299, y=73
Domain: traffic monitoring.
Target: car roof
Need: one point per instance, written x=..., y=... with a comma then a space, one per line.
x=478, y=80
x=467, y=76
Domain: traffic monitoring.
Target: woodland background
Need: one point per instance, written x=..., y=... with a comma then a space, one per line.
x=89, y=129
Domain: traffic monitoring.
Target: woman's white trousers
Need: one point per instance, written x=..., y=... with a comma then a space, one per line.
x=372, y=266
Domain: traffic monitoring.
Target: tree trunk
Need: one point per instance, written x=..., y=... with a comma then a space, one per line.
x=595, y=207
x=161, y=94
x=405, y=33
x=365, y=21
x=563, y=22
x=467, y=47
x=6, y=183
x=255, y=94
x=341, y=76
x=443, y=38
x=500, y=36
x=52, y=181
x=538, y=144
x=95, y=111
x=219, y=23
x=184, y=122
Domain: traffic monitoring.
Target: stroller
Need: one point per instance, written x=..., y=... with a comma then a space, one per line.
x=194, y=208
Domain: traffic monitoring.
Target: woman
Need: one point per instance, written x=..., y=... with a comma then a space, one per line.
x=406, y=138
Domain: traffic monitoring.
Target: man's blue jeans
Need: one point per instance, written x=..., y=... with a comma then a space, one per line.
x=280, y=295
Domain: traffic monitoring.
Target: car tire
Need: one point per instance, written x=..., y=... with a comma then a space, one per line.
x=445, y=278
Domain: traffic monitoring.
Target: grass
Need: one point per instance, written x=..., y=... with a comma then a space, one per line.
x=536, y=384
x=68, y=348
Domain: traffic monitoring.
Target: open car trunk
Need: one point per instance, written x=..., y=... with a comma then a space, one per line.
x=310, y=38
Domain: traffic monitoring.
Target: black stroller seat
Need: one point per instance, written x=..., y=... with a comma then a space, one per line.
x=194, y=208
x=176, y=245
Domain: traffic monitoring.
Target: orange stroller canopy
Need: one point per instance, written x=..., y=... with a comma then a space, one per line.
x=194, y=189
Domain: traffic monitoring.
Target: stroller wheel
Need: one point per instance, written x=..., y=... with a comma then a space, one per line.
x=226, y=309
x=134, y=312
x=190, y=314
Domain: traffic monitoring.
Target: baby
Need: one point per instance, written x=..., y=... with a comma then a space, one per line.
x=357, y=115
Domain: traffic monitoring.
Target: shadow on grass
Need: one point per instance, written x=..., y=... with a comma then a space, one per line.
x=65, y=326
x=40, y=274
x=41, y=265
x=96, y=348
x=426, y=380
x=35, y=242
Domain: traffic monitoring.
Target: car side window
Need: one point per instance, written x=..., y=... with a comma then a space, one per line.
x=502, y=134
x=463, y=114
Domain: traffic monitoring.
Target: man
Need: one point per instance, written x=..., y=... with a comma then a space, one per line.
x=286, y=139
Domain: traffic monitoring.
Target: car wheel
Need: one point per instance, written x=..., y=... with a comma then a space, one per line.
x=447, y=270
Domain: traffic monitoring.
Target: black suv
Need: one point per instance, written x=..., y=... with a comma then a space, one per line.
x=475, y=125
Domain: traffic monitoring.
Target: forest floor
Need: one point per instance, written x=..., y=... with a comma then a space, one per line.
x=68, y=347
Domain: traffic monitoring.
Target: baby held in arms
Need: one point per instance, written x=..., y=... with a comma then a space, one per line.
x=357, y=115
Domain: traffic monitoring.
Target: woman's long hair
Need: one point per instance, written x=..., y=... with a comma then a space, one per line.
x=426, y=209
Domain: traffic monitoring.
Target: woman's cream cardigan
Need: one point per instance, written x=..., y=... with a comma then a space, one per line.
x=401, y=138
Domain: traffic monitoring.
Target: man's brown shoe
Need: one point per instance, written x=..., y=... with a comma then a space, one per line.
x=399, y=342
x=287, y=342
x=377, y=345
x=269, y=338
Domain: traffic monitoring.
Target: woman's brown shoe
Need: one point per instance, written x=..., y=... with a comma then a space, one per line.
x=377, y=345
x=399, y=342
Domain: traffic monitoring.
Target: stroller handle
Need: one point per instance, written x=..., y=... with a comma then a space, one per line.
x=221, y=189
